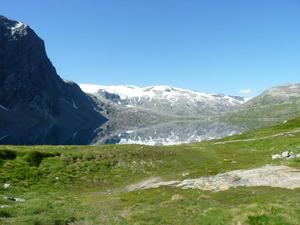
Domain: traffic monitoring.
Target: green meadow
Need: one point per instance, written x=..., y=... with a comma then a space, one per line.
x=83, y=185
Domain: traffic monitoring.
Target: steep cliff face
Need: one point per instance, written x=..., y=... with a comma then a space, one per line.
x=36, y=105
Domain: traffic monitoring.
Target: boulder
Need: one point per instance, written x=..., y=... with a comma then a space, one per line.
x=177, y=197
x=13, y=199
x=277, y=156
x=285, y=154
x=6, y=186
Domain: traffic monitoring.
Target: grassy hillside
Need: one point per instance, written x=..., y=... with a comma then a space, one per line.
x=259, y=116
x=87, y=184
x=273, y=106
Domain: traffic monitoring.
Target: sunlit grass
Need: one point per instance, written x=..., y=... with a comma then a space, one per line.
x=87, y=184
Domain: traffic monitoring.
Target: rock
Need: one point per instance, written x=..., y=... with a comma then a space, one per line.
x=277, y=156
x=13, y=199
x=6, y=186
x=177, y=197
x=204, y=197
x=185, y=174
x=272, y=176
x=285, y=154
x=290, y=157
x=19, y=200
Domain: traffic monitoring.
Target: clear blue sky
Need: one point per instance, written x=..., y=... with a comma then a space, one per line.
x=206, y=45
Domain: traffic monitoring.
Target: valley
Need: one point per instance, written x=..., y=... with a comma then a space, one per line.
x=90, y=154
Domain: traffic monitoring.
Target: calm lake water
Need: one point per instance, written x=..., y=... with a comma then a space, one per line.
x=171, y=133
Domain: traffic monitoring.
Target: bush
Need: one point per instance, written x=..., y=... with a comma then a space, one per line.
x=35, y=158
x=7, y=154
x=258, y=220
x=4, y=214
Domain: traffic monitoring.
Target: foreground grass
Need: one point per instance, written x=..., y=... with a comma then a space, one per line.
x=87, y=184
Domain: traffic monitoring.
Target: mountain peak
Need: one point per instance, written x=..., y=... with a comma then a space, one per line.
x=12, y=28
x=10, y=24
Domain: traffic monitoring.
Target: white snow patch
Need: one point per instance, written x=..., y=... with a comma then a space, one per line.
x=95, y=109
x=74, y=135
x=90, y=88
x=130, y=131
x=293, y=86
x=97, y=129
x=3, y=137
x=2, y=107
x=74, y=105
x=17, y=26
x=247, y=99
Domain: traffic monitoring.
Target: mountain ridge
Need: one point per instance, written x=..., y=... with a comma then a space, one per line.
x=165, y=99
x=117, y=89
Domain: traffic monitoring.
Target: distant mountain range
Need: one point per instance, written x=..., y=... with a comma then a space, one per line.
x=166, y=100
x=38, y=107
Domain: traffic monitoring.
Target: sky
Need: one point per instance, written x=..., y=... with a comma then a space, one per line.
x=234, y=47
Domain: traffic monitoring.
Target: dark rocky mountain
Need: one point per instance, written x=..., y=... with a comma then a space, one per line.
x=36, y=105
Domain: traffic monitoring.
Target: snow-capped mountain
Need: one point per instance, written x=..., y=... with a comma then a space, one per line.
x=165, y=99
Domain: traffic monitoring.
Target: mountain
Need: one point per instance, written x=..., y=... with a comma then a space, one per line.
x=274, y=105
x=166, y=100
x=36, y=105
x=284, y=94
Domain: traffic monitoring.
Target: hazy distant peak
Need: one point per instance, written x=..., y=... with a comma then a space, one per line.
x=287, y=90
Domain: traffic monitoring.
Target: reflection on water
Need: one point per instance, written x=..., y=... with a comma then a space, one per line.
x=171, y=133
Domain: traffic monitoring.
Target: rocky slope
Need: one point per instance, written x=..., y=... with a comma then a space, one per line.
x=36, y=105
x=273, y=176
